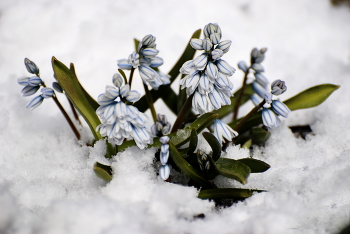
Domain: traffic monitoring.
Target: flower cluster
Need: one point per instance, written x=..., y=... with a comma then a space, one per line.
x=270, y=119
x=119, y=120
x=164, y=170
x=207, y=75
x=144, y=59
x=32, y=85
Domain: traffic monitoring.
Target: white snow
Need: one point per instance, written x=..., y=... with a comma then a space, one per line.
x=47, y=184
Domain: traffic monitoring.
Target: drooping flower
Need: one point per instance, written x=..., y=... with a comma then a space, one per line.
x=144, y=60
x=120, y=120
x=223, y=131
x=207, y=74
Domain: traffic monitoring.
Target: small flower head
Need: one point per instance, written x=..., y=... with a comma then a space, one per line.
x=278, y=87
x=31, y=66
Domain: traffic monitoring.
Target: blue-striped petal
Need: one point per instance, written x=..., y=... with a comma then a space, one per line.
x=124, y=65
x=29, y=90
x=124, y=90
x=201, y=61
x=35, y=102
x=258, y=89
x=269, y=118
x=211, y=71
x=148, y=40
x=256, y=99
x=258, y=67
x=224, y=46
x=47, y=92
x=31, y=66
x=156, y=62
x=149, y=52
x=215, y=99
x=164, y=148
x=188, y=67
x=56, y=86
x=222, y=130
x=166, y=128
x=261, y=79
x=207, y=44
x=108, y=114
x=215, y=38
x=164, y=139
x=164, y=172
x=34, y=81
x=205, y=84
x=164, y=156
x=193, y=81
x=133, y=96
x=117, y=80
x=225, y=68
x=112, y=92
x=23, y=81
x=104, y=100
x=197, y=44
x=280, y=108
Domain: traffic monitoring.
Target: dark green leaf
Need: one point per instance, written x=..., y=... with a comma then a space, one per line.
x=256, y=166
x=74, y=92
x=311, y=97
x=103, y=171
x=247, y=144
x=193, y=142
x=259, y=135
x=214, y=144
x=187, y=168
x=227, y=193
x=232, y=169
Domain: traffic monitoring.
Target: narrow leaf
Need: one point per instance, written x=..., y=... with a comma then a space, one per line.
x=227, y=193
x=186, y=168
x=103, y=171
x=232, y=169
x=214, y=144
x=193, y=142
x=74, y=92
x=256, y=166
x=259, y=135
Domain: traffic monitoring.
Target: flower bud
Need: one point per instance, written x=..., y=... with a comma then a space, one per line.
x=117, y=80
x=280, y=108
x=35, y=102
x=258, y=67
x=207, y=44
x=34, y=81
x=148, y=40
x=23, y=81
x=124, y=65
x=278, y=87
x=164, y=172
x=47, y=92
x=258, y=89
x=149, y=52
x=29, y=90
x=156, y=62
x=225, y=68
x=31, y=66
x=164, y=140
x=217, y=54
x=197, y=44
x=255, y=99
x=243, y=66
x=261, y=79
x=201, y=61
x=269, y=118
x=56, y=86
x=224, y=46
x=215, y=38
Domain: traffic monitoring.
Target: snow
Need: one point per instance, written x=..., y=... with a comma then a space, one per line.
x=47, y=184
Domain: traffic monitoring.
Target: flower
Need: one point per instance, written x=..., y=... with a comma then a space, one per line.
x=31, y=66
x=120, y=120
x=144, y=59
x=161, y=127
x=280, y=108
x=207, y=74
x=223, y=131
x=278, y=87
x=164, y=171
x=269, y=118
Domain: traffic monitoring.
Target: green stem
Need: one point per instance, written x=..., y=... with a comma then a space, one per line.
x=150, y=103
x=66, y=116
x=131, y=76
x=180, y=118
x=240, y=95
x=253, y=111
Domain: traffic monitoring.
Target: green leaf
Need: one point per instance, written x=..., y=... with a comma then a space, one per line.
x=256, y=166
x=248, y=144
x=164, y=91
x=259, y=135
x=311, y=97
x=182, y=136
x=227, y=193
x=103, y=171
x=187, y=168
x=214, y=144
x=193, y=142
x=232, y=169
x=70, y=84
x=91, y=100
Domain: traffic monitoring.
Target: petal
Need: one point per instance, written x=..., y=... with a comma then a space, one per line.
x=156, y=62
x=31, y=66
x=34, y=81
x=120, y=109
x=164, y=157
x=104, y=100
x=164, y=140
x=258, y=67
x=149, y=52
x=261, y=79
x=124, y=90
x=258, y=89
x=108, y=114
x=117, y=80
x=29, y=90
x=243, y=66
x=35, y=102
x=47, y=92
x=164, y=172
x=224, y=46
x=211, y=71
x=280, y=108
x=269, y=118
x=215, y=38
x=124, y=65
x=207, y=44
x=197, y=44
x=201, y=61
x=112, y=92
x=133, y=96
x=23, y=81
x=225, y=68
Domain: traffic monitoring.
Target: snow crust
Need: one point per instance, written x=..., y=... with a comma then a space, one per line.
x=47, y=184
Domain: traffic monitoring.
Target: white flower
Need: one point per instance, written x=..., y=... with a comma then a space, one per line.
x=223, y=131
x=269, y=118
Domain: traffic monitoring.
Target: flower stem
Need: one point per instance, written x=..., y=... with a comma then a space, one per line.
x=131, y=76
x=253, y=111
x=150, y=103
x=240, y=95
x=180, y=118
x=66, y=116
